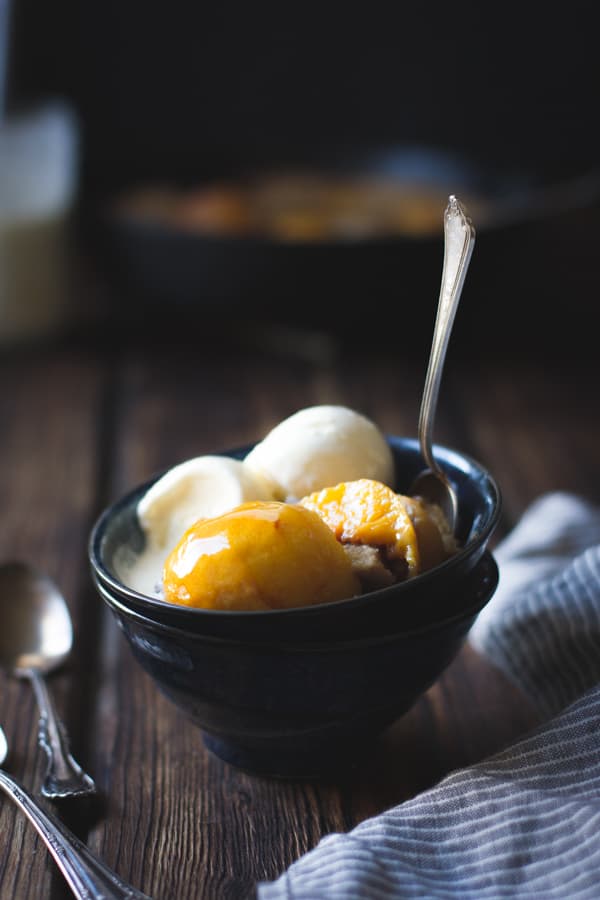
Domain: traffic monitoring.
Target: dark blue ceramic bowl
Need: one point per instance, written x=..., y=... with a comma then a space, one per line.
x=299, y=692
x=296, y=708
x=430, y=597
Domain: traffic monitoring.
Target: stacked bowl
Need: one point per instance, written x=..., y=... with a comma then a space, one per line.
x=305, y=692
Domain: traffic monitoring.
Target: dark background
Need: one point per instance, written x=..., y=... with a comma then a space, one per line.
x=163, y=87
x=180, y=90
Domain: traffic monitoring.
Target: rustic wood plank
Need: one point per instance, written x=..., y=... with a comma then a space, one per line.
x=48, y=447
x=535, y=427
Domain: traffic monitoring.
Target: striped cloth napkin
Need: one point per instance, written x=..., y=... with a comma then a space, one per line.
x=524, y=823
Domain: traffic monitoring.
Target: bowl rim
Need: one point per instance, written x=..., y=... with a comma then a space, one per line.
x=484, y=593
x=445, y=455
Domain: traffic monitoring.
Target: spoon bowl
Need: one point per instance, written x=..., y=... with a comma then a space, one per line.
x=436, y=488
x=432, y=484
x=37, y=632
x=37, y=637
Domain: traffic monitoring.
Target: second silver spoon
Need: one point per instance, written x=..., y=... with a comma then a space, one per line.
x=36, y=637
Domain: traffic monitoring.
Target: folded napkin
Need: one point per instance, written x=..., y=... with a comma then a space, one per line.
x=525, y=822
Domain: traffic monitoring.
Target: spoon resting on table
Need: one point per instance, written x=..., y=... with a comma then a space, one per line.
x=432, y=484
x=86, y=875
x=36, y=637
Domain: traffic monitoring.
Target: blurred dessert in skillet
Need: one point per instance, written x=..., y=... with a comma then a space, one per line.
x=294, y=206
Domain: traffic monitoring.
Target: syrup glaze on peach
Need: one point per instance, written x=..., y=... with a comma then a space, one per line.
x=261, y=555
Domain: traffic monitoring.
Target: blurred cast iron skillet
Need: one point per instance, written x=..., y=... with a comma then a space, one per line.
x=159, y=262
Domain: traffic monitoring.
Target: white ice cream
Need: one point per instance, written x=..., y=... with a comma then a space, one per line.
x=318, y=447
x=315, y=448
x=200, y=488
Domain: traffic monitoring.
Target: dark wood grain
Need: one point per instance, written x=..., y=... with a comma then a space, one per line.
x=78, y=429
x=48, y=447
x=536, y=428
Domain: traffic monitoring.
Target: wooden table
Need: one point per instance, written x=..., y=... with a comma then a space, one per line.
x=84, y=421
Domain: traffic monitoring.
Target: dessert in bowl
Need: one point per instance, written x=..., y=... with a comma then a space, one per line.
x=298, y=688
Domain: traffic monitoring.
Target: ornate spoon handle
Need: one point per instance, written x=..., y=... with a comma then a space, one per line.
x=64, y=777
x=459, y=240
x=87, y=876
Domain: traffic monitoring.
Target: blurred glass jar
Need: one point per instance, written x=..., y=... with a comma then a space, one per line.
x=38, y=183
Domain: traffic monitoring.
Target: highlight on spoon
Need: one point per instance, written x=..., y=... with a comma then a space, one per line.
x=3, y=746
x=37, y=630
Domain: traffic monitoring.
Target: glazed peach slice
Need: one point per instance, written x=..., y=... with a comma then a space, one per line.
x=260, y=555
x=367, y=512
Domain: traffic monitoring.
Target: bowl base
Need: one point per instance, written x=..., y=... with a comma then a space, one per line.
x=313, y=764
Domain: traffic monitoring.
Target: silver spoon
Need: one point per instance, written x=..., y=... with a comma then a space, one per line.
x=36, y=637
x=87, y=876
x=432, y=484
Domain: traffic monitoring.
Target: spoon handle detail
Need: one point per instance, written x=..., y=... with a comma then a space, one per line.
x=459, y=239
x=87, y=877
x=64, y=777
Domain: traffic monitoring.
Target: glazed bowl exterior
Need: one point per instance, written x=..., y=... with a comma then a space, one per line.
x=289, y=707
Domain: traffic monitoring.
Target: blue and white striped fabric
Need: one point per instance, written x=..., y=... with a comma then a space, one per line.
x=524, y=823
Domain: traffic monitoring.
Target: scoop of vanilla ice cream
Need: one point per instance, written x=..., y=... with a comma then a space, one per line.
x=320, y=446
x=199, y=488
